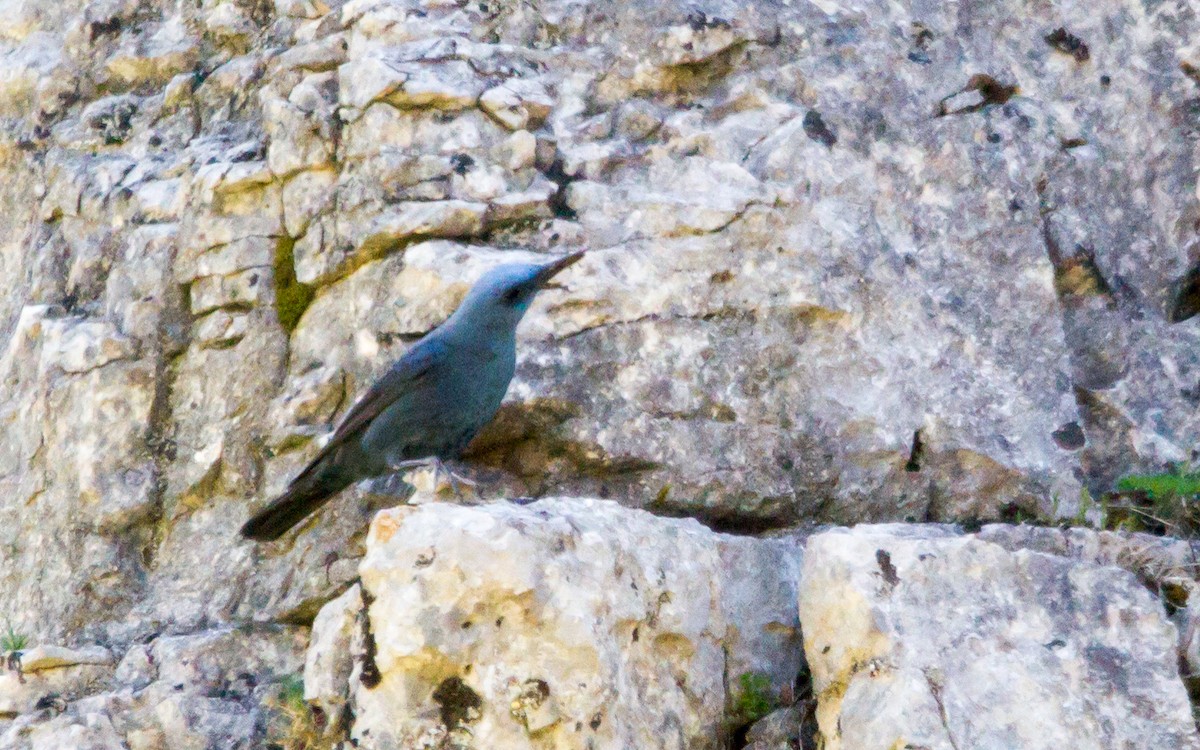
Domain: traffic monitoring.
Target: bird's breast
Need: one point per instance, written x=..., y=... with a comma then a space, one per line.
x=484, y=378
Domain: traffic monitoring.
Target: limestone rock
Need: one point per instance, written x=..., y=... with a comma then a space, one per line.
x=302, y=8
x=923, y=637
x=241, y=289
x=424, y=219
x=196, y=691
x=29, y=676
x=221, y=329
x=329, y=660
x=532, y=203
x=518, y=104
x=848, y=262
x=782, y=729
x=55, y=657
x=561, y=621
x=305, y=196
x=224, y=259
x=229, y=26
x=77, y=346
x=154, y=56
x=298, y=136
x=321, y=54
x=446, y=85
x=27, y=65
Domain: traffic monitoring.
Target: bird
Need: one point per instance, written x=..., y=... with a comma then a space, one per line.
x=429, y=404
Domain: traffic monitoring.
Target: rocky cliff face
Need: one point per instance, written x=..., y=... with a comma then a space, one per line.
x=577, y=624
x=873, y=262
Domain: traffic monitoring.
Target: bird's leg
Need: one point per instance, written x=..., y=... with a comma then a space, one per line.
x=455, y=479
x=439, y=468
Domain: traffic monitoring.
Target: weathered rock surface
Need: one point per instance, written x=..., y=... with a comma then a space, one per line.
x=848, y=263
x=565, y=623
x=783, y=729
x=335, y=644
x=809, y=295
x=580, y=623
x=32, y=674
x=516, y=626
x=211, y=690
x=922, y=637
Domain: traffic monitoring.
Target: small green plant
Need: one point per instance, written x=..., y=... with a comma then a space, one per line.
x=299, y=726
x=291, y=691
x=1085, y=506
x=1163, y=503
x=1161, y=486
x=754, y=700
x=11, y=640
x=292, y=298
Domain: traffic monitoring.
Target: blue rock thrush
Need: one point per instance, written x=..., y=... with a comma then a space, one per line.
x=429, y=405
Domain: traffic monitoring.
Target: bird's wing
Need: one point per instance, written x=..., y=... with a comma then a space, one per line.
x=407, y=372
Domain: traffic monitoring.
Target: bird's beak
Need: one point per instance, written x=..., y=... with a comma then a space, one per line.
x=553, y=267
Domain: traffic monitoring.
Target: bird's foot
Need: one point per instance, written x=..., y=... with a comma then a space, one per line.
x=392, y=485
x=456, y=481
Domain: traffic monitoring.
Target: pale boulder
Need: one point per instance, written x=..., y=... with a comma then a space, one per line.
x=921, y=637
x=575, y=623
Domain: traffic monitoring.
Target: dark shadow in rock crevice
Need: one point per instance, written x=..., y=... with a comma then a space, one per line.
x=369, y=674
x=527, y=441
x=789, y=720
x=1186, y=298
x=1109, y=435
x=724, y=521
x=457, y=703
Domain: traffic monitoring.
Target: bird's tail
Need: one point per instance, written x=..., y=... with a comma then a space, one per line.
x=304, y=495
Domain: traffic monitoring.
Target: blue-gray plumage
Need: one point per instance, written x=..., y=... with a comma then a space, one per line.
x=429, y=405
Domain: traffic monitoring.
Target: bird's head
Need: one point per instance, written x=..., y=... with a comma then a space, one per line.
x=503, y=295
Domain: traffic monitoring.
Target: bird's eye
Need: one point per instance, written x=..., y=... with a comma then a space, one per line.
x=512, y=295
